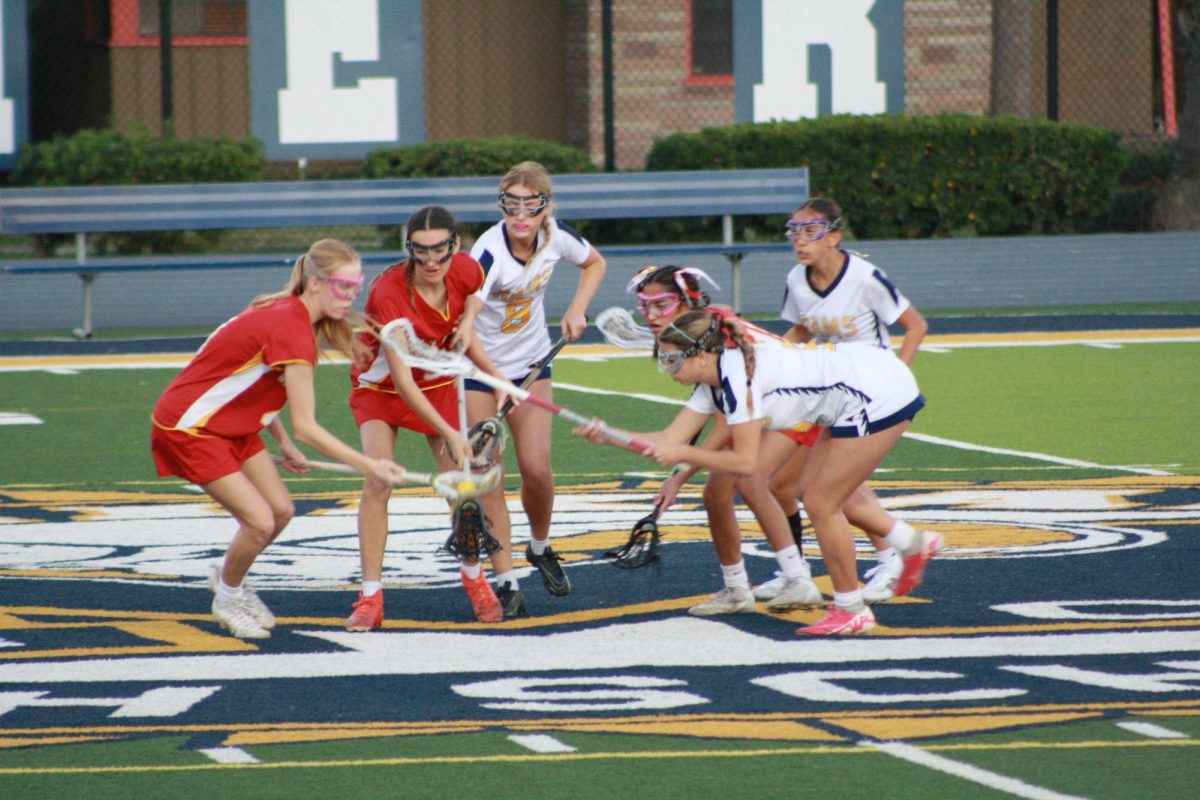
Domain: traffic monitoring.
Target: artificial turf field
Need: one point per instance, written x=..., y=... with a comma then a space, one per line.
x=1052, y=652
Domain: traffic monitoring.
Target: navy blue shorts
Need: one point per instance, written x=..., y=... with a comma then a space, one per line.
x=478, y=386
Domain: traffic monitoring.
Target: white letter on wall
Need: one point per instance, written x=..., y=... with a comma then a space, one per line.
x=789, y=27
x=311, y=109
x=8, y=116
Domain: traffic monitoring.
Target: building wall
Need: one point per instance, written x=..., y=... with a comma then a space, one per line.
x=491, y=72
x=210, y=94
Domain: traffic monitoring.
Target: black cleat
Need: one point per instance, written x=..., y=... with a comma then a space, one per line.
x=511, y=600
x=557, y=582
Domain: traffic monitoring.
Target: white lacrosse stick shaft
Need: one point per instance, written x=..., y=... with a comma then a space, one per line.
x=400, y=336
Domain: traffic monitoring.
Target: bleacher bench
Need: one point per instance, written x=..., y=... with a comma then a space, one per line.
x=290, y=204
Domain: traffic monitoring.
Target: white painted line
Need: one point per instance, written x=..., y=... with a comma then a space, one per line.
x=229, y=755
x=541, y=743
x=1151, y=730
x=920, y=437
x=992, y=780
x=1104, y=345
x=17, y=418
x=649, y=398
x=1070, y=462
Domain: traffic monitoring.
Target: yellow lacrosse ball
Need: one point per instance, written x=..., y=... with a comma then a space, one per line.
x=465, y=486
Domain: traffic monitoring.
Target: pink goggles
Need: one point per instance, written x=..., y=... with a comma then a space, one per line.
x=346, y=288
x=660, y=305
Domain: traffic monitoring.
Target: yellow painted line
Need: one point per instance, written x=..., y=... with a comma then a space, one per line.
x=176, y=360
x=1138, y=708
x=531, y=758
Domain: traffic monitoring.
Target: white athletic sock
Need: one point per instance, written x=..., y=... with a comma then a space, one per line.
x=903, y=537
x=509, y=577
x=538, y=546
x=472, y=571
x=227, y=594
x=735, y=575
x=369, y=588
x=792, y=563
x=849, y=601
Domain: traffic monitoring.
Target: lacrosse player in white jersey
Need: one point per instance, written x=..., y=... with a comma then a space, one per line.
x=518, y=256
x=864, y=397
x=834, y=295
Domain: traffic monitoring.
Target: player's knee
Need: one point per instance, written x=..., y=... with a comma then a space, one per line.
x=718, y=491
x=260, y=528
x=283, y=515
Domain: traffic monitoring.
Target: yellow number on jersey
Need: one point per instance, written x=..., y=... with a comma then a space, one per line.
x=516, y=314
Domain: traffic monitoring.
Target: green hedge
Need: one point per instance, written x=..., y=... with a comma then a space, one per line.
x=928, y=176
x=466, y=158
x=107, y=157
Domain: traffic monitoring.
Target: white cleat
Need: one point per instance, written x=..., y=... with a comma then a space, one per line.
x=881, y=578
x=729, y=600
x=768, y=589
x=253, y=603
x=237, y=619
x=796, y=593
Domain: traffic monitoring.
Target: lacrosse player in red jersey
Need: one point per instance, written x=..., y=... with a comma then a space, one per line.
x=207, y=423
x=664, y=294
x=865, y=397
x=518, y=255
x=834, y=295
x=435, y=289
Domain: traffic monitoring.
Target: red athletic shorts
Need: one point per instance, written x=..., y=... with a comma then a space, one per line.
x=200, y=459
x=373, y=404
x=807, y=437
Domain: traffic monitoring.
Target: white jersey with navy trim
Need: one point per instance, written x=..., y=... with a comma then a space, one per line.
x=512, y=324
x=852, y=388
x=857, y=307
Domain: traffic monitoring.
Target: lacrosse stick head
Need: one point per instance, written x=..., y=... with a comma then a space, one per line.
x=470, y=539
x=641, y=549
x=401, y=338
x=619, y=328
x=487, y=438
x=459, y=485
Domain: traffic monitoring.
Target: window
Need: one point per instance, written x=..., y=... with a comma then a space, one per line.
x=219, y=18
x=710, y=42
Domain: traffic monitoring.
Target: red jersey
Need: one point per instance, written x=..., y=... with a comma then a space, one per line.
x=392, y=298
x=233, y=386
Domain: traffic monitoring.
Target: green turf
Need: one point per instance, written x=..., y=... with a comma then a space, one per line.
x=1132, y=405
x=1111, y=407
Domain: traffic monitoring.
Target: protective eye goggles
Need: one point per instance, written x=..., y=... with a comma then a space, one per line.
x=430, y=252
x=345, y=288
x=671, y=361
x=661, y=305
x=811, y=230
x=530, y=205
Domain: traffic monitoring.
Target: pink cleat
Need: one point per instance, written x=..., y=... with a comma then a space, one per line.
x=914, y=565
x=839, y=622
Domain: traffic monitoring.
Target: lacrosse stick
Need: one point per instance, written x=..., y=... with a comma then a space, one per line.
x=487, y=435
x=642, y=546
x=402, y=339
x=455, y=485
x=620, y=329
x=470, y=539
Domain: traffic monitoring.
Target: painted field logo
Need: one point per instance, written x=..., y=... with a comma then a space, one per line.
x=1032, y=617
